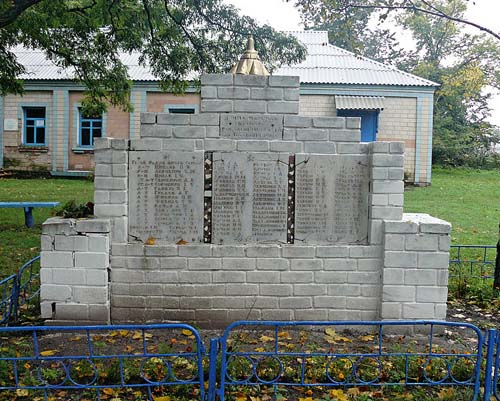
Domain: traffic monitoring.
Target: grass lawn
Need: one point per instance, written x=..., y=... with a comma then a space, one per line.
x=468, y=199
x=18, y=243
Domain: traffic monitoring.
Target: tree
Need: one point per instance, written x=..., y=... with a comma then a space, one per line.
x=177, y=38
x=463, y=63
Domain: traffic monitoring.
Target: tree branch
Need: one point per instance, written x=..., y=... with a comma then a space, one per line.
x=9, y=15
x=412, y=7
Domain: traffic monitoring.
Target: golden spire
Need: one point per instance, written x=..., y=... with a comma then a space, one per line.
x=249, y=63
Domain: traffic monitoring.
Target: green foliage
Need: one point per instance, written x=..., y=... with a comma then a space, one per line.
x=177, y=39
x=463, y=64
x=72, y=209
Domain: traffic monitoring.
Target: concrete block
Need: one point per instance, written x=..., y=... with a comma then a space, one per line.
x=177, y=144
x=363, y=304
x=330, y=277
x=209, y=290
x=94, y=295
x=204, y=264
x=378, y=199
x=56, y=259
x=444, y=243
x=306, y=264
x=330, y=302
x=386, y=212
x=250, y=80
x=92, y=259
x=432, y=294
x=216, y=106
x=418, y=311
x=375, y=232
x=309, y=289
x=329, y=122
x=93, y=226
x=397, y=147
x=230, y=277
x=232, y=92
x=364, y=277
x=70, y=243
x=291, y=94
x=340, y=264
x=71, y=311
x=228, y=303
x=173, y=263
x=291, y=147
x=312, y=134
x=433, y=260
x=289, y=134
x=119, y=229
x=394, y=242
x=216, y=79
x=297, y=251
x=387, y=187
x=104, y=155
x=189, y=132
x=195, y=250
x=396, y=173
x=297, y=121
x=285, y=107
x=295, y=303
x=396, y=200
x=297, y=277
x=250, y=106
x=208, y=92
x=320, y=147
x=213, y=132
x=379, y=173
x=273, y=264
x=256, y=146
x=160, y=250
x=145, y=144
x=111, y=210
x=156, y=131
x=205, y=119
x=370, y=265
x=96, y=277
x=420, y=242
x=231, y=251
x=242, y=289
x=400, y=227
x=102, y=170
x=400, y=259
x=238, y=264
x=351, y=290
x=398, y=293
x=440, y=311
x=391, y=310
x=284, y=81
x=148, y=118
x=332, y=251
x=276, y=290
x=47, y=243
x=379, y=147
x=340, y=135
x=214, y=145
x=352, y=148
x=353, y=122
x=381, y=160
x=262, y=302
x=101, y=197
x=277, y=314
x=57, y=225
x=263, y=277
x=420, y=277
x=102, y=144
x=365, y=251
x=54, y=292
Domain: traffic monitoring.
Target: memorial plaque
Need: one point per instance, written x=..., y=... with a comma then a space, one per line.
x=331, y=199
x=251, y=126
x=166, y=196
x=249, y=202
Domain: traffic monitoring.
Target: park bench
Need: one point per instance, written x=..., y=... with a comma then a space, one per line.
x=28, y=209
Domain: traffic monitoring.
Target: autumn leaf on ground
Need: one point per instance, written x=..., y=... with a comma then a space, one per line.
x=22, y=392
x=49, y=352
x=162, y=398
x=137, y=336
x=107, y=391
x=338, y=395
x=150, y=241
x=266, y=339
x=240, y=396
x=181, y=242
x=366, y=338
x=306, y=399
x=187, y=333
x=260, y=349
x=284, y=335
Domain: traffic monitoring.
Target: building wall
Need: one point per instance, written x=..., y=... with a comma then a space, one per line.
x=15, y=155
x=397, y=122
x=156, y=101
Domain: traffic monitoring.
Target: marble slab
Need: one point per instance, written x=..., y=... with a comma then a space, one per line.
x=251, y=126
x=166, y=196
x=249, y=202
x=331, y=199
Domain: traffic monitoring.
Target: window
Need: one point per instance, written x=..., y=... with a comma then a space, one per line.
x=90, y=128
x=34, y=126
x=181, y=110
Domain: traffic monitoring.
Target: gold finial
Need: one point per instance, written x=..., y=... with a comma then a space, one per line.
x=249, y=63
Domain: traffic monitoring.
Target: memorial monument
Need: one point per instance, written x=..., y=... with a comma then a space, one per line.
x=247, y=210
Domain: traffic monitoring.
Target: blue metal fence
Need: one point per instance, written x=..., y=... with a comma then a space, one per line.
x=18, y=290
x=275, y=358
x=472, y=261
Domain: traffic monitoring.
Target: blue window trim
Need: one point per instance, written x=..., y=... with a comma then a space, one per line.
x=35, y=119
x=93, y=122
x=168, y=107
x=77, y=128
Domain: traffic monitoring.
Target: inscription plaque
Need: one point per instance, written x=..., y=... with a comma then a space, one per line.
x=331, y=199
x=166, y=196
x=251, y=126
x=249, y=202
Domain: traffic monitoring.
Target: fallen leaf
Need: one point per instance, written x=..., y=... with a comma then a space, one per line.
x=366, y=338
x=181, y=242
x=338, y=395
x=107, y=391
x=162, y=398
x=150, y=241
x=49, y=352
x=240, y=396
x=266, y=339
x=22, y=392
x=260, y=349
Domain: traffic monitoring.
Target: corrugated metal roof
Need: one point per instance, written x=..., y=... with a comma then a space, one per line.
x=325, y=64
x=328, y=64
x=359, y=102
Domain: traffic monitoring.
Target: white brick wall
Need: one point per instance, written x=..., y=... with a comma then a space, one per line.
x=74, y=271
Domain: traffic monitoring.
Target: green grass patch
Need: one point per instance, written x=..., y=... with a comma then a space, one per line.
x=18, y=243
x=468, y=199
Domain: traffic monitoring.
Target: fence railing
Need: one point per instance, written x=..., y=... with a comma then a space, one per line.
x=251, y=360
x=18, y=290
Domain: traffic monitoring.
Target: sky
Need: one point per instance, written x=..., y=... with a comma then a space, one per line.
x=283, y=16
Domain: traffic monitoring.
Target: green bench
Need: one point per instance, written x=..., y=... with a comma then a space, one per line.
x=28, y=209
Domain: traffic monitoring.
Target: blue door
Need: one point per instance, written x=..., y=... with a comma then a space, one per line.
x=369, y=122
